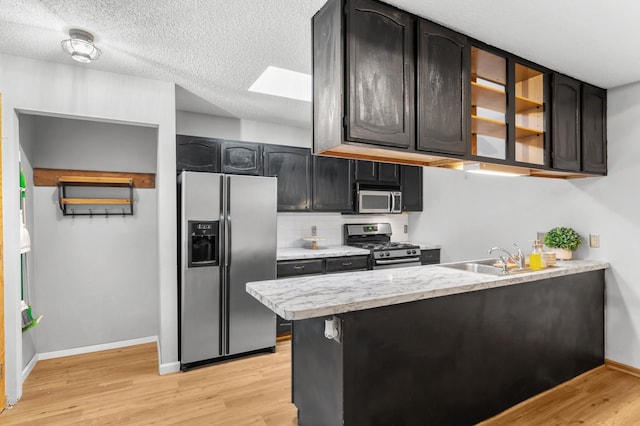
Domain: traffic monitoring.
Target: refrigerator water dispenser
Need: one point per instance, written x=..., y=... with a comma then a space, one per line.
x=203, y=243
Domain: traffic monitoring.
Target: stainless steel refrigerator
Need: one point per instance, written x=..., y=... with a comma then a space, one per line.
x=227, y=226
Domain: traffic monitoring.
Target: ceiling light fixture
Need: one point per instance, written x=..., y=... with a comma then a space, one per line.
x=80, y=46
x=285, y=83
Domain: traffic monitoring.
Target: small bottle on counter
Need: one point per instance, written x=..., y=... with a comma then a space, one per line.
x=536, y=259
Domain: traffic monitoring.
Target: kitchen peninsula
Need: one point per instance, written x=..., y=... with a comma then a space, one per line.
x=434, y=344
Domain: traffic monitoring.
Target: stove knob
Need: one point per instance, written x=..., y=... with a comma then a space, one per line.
x=409, y=251
x=381, y=254
x=386, y=254
x=413, y=252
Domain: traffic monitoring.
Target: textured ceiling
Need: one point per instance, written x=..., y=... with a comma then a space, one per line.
x=214, y=50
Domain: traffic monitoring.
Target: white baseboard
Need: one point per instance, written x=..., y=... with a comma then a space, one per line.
x=27, y=369
x=96, y=348
x=169, y=367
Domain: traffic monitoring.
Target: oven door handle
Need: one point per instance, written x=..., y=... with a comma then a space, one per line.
x=391, y=261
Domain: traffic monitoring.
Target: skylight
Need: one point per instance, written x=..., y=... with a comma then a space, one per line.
x=285, y=83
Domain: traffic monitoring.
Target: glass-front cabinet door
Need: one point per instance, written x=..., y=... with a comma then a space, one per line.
x=529, y=115
x=488, y=104
x=508, y=111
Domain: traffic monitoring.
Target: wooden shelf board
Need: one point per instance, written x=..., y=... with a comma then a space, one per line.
x=90, y=181
x=525, y=73
x=526, y=104
x=81, y=201
x=488, y=127
x=524, y=132
x=49, y=177
x=559, y=174
x=488, y=66
x=488, y=97
x=367, y=152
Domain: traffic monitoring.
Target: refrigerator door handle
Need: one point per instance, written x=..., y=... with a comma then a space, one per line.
x=227, y=267
x=227, y=263
x=228, y=223
x=223, y=268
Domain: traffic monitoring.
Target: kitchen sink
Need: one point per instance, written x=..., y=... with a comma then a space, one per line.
x=480, y=267
x=486, y=266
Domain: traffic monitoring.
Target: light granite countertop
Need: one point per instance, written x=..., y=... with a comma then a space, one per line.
x=319, y=295
x=296, y=253
x=426, y=246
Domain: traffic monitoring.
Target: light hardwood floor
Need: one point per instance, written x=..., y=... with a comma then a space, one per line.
x=602, y=396
x=122, y=386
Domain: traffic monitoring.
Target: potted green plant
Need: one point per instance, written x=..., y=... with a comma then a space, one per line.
x=563, y=241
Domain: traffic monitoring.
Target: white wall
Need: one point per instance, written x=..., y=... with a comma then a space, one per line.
x=193, y=124
x=77, y=91
x=95, y=278
x=468, y=213
x=63, y=143
x=292, y=227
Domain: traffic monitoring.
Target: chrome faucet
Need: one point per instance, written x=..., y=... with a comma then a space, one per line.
x=518, y=259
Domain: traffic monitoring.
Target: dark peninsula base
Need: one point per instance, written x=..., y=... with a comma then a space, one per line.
x=453, y=360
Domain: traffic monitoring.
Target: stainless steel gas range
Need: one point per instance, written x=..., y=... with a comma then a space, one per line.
x=376, y=237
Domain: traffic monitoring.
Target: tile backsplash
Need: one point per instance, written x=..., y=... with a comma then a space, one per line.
x=292, y=227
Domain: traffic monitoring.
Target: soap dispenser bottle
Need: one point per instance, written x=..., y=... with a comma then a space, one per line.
x=536, y=260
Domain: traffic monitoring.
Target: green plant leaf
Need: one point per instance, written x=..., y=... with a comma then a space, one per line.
x=564, y=238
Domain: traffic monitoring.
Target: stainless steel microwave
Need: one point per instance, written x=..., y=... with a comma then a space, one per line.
x=374, y=201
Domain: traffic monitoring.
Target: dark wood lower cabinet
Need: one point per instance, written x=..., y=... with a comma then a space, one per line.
x=452, y=360
x=293, y=268
x=430, y=257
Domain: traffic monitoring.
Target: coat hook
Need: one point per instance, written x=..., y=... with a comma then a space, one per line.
x=90, y=213
x=73, y=213
x=106, y=213
x=123, y=213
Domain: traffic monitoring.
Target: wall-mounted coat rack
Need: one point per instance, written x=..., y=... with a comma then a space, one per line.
x=104, y=193
x=67, y=203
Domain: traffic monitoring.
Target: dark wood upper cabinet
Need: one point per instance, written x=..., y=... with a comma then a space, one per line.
x=380, y=70
x=565, y=143
x=374, y=172
x=594, y=129
x=390, y=86
x=241, y=158
x=389, y=174
x=333, y=187
x=411, y=185
x=197, y=154
x=443, y=84
x=292, y=166
x=366, y=171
